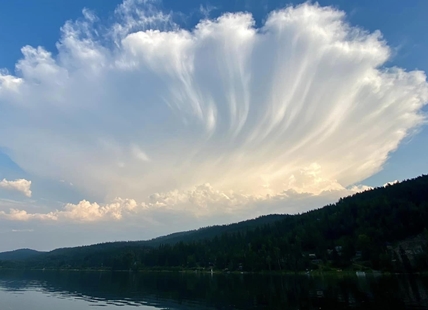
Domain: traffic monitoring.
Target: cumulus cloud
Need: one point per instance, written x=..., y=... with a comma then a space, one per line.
x=84, y=211
x=302, y=105
x=22, y=215
x=390, y=183
x=199, y=202
x=20, y=185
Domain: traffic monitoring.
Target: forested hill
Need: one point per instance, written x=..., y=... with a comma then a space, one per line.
x=212, y=231
x=19, y=255
x=122, y=246
x=384, y=229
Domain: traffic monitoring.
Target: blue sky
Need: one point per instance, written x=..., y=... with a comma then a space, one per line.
x=85, y=152
x=38, y=23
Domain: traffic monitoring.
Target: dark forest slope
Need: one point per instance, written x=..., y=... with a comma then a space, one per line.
x=88, y=255
x=212, y=231
x=19, y=255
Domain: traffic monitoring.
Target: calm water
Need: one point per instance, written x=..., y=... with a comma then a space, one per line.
x=86, y=290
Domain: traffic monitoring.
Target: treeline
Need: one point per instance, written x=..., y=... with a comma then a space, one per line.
x=366, y=230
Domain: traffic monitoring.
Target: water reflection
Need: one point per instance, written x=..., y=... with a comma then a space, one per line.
x=224, y=291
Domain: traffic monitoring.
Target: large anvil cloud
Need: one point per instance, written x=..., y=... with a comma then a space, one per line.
x=144, y=108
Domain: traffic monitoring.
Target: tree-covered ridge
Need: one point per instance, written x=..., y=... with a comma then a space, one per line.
x=384, y=228
x=19, y=255
x=212, y=231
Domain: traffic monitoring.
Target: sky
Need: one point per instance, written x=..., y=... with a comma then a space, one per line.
x=130, y=120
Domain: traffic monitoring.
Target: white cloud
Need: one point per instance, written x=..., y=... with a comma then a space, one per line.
x=22, y=215
x=22, y=230
x=84, y=211
x=20, y=185
x=202, y=201
x=87, y=212
x=390, y=183
x=301, y=106
x=360, y=188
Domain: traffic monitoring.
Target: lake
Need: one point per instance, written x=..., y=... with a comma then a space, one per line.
x=43, y=290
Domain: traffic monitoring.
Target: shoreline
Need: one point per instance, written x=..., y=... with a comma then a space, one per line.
x=219, y=272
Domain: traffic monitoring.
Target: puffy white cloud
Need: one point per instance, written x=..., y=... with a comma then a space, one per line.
x=20, y=185
x=22, y=215
x=84, y=211
x=303, y=105
x=199, y=202
x=390, y=183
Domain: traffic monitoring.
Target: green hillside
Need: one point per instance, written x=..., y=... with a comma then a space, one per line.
x=19, y=255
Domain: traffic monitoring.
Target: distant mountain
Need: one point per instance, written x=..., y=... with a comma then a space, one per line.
x=19, y=255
